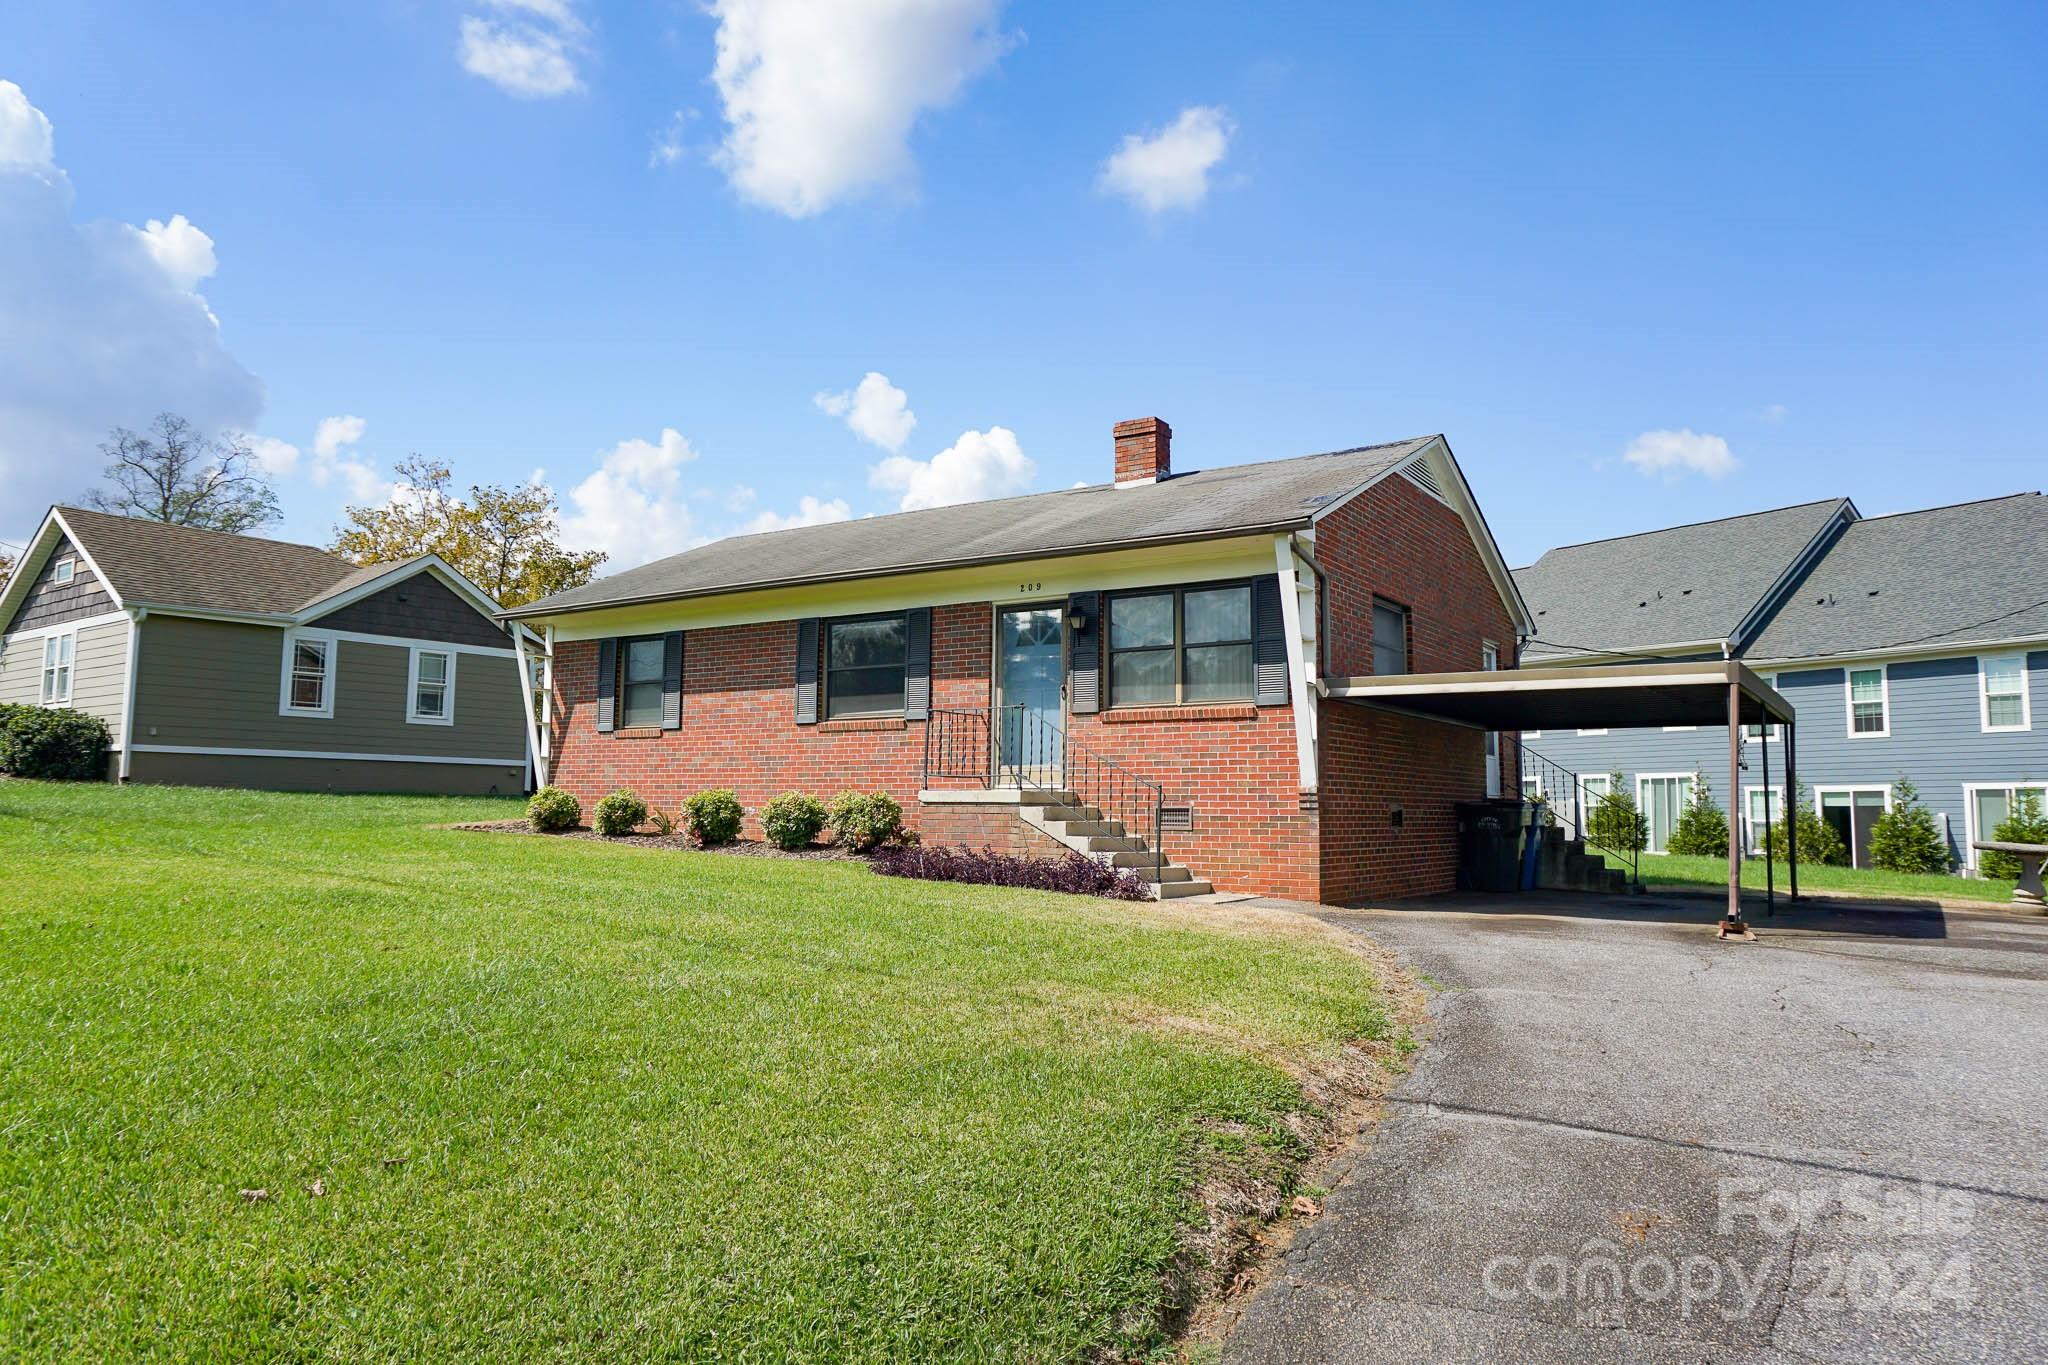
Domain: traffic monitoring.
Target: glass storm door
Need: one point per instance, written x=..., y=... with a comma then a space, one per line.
x=1853, y=814
x=1490, y=660
x=1663, y=801
x=1028, y=684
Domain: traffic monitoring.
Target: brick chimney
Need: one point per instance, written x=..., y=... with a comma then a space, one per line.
x=1144, y=451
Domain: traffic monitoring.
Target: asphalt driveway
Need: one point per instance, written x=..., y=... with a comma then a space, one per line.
x=1630, y=1142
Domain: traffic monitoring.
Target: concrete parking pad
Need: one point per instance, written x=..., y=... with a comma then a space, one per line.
x=1630, y=1142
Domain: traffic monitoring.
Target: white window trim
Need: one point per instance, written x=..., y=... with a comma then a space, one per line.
x=325, y=711
x=1777, y=789
x=1776, y=731
x=70, y=633
x=412, y=687
x=64, y=571
x=1884, y=684
x=1532, y=734
x=1852, y=788
x=1984, y=695
x=1643, y=805
x=1671, y=728
x=1600, y=731
x=1970, y=790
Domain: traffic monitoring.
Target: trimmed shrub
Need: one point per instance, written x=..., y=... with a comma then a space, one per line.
x=553, y=810
x=1905, y=838
x=59, y=745
x=619, y=814
x=793, y=819
x=865, y=820
x=1818, y=842
x=1702, y=826
x=714, y=817
x=2024, y=825
x=1076, y=873
x=1614, y=823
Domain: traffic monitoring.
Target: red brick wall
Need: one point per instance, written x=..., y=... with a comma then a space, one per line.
x=1399, y=543
x=986, y=825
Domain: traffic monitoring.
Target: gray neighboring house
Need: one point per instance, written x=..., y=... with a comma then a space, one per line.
x=223, y=660
x=1913, y=645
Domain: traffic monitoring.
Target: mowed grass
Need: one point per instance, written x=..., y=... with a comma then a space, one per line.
x=568, y=1099
x=1672, y=869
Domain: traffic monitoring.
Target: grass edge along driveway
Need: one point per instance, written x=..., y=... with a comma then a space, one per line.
x=497, y=1097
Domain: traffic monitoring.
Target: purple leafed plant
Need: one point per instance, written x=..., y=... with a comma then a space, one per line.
x=1075, y=873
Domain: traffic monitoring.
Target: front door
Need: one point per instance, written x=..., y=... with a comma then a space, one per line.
x=1030, y=735
x=1489, y=659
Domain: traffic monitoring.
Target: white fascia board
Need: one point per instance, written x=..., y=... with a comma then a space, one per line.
x=86, y=555
x=1959, y=649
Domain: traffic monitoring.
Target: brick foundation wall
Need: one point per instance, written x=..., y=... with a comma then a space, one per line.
x=986, y=825
x=1399, y=543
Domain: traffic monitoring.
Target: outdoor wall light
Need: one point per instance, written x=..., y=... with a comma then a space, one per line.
x=1077, y=619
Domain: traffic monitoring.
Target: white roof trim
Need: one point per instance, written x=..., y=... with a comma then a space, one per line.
x=35, y=555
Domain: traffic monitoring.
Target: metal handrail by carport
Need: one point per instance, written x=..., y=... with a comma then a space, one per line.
x=1609, y=696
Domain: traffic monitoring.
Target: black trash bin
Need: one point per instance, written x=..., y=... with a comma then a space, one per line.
x=1490, y=845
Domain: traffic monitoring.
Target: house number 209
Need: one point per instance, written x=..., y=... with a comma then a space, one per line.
x=1031, y=587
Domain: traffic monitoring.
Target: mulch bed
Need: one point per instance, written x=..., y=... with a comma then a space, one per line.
x=742, y=848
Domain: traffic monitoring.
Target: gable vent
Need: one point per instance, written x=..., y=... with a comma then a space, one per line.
x=1418, y=472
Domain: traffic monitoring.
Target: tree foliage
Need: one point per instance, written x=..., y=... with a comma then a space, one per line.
x=6, y=566
x=505, y=540
x=1818, y=842
x=1702, y=826
x=2024, y=824
x=175, y=474
x=1613, y=822
x=1905, y=838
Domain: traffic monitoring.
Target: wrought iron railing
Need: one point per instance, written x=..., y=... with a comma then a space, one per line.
x=1016, y=746
x=1609, y=825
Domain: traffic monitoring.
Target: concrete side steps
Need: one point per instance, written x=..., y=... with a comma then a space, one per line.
x=1085, y=829
x=1564, y=865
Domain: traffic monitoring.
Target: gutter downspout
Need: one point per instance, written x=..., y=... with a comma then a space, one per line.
x=135, y=619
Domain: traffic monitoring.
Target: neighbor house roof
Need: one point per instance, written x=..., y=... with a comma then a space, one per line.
x=1686, y=585
x=1964, y=574
x=1206, y=504
x=149, y=563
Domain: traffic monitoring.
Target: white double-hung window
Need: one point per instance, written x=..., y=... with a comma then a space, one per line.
x=308, y=683
x=431, y=688
x=2002, y=685
x=58, y=653
x=1869, y=716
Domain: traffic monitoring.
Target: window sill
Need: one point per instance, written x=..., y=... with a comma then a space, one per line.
x=1133, y=715
x=638, y=732
x=849, y=723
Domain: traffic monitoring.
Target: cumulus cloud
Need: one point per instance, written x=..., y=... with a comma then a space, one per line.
x=634, y=506
x=335, y=432
x=181, y=251
x=810, y=511
x=820, y=100
x=528, y=48
x=276, y=458
x=1673, y=454
x=335, y=458
x=1169, y=169
x=981, y=464
x=877, y=411
x=97, y=331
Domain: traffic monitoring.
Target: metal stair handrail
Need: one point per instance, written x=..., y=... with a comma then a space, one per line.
x=1537, y=783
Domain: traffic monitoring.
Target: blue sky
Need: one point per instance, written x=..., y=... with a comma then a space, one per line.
x=1777, y=252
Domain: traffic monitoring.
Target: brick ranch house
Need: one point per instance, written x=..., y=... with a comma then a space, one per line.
x=1133, y=668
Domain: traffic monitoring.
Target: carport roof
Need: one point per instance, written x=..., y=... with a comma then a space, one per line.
x=1619, y=696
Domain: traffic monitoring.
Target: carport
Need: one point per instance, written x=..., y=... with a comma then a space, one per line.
x=1708, y=692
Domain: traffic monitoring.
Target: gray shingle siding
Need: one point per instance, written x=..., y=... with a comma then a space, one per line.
x=422, y=608
x=50, y=603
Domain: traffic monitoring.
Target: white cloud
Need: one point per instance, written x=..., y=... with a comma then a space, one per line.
x=979, y=465
x=1676, y=453
x=96, y=333
x=810, y=511
x=820, y=99
x=670, y=144
x=530, y=52
x=877, y=411
x=276, y=458
x=335, y=432
x=182, y=251
x=1170, y=168
x=334, y=457
x=634, y=506
x=25, y=134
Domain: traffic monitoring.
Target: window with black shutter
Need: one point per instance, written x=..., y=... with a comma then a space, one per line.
x=642, y=669
x=1171, y=645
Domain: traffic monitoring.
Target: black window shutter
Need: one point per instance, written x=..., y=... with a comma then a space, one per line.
x=917, y=664
x=807, y=671
x=1269, y=644
x=607, y=685
x=1084, y=653
x=672, y=681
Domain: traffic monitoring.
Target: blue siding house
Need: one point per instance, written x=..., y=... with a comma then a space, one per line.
x=1913, y=646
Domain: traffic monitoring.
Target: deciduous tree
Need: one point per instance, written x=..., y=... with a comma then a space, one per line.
x=176, y=474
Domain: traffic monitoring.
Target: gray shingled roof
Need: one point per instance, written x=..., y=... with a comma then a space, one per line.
x=1197, y=506
x=1675, y=586
x=152, y=564
x=1931, y=577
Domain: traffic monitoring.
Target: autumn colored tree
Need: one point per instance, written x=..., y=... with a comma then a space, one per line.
x=504, y=540
x=6, y=566
x=173, y=473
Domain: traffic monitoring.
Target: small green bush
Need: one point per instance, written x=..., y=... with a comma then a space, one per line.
x=793, y=819
x=1818, y=842
x=2024, y=825
x=1905, y=838
x=714, y=817
x=1613, y=822
x=865, y=820
x=619, y=814
x=553, y=810
x=59, y=745
x=1702, y=830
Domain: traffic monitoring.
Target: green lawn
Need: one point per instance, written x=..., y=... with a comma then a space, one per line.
x=1671, y=869
x=569, y=1099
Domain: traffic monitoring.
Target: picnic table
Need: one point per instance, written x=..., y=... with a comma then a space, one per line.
x=2028, y=893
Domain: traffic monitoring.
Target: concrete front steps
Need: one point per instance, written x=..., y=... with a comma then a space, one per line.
x=1085, y=829
x=1563, y=864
